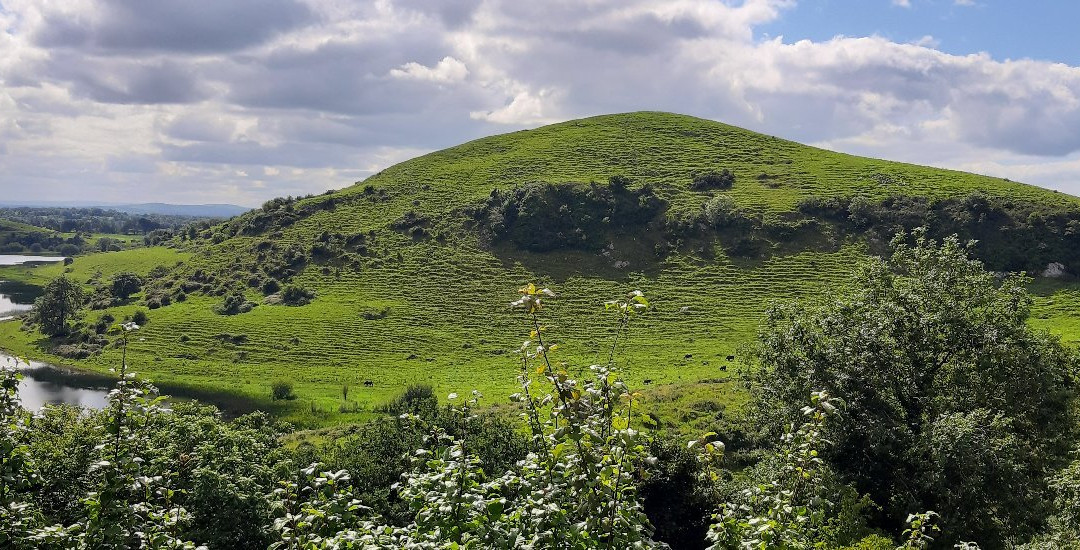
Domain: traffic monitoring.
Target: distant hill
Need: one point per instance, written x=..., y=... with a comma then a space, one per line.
x=412, y=270
x=189, y=210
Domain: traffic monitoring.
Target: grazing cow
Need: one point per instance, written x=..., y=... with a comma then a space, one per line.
x=647, y=381
x=368, y=383
x=730, y=357
x=688, y=356
x=723, y=368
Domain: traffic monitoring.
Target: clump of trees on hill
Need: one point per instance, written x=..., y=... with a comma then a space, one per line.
x=1010, y=234
x=542, y=217
x=918, y=410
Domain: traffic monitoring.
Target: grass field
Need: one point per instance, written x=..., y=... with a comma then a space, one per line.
x=436, y=310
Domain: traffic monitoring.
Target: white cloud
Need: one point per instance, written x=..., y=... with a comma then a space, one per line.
x=902, y=3
x=524, y=108
x=320, y=93
x=448, y=70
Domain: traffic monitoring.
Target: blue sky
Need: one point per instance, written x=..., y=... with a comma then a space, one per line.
x=243, y=100
x=1037, y=29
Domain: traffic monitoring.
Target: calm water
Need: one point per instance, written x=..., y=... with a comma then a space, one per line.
x=15, y=297
x=44, y=384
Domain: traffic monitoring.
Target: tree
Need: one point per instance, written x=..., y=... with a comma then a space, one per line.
x=125, y=283
x=954, y=403
x=59, y=303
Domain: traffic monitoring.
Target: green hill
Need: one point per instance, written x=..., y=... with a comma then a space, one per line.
x=413, y=269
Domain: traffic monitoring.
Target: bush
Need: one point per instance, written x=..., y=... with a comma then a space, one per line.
x=720, y=211
x=296, y=295
x=140, y=317
x=416, y=399
x=234, y=304
x=76, y=351
x=270, y=286
x=281, y=390
x=712, y=180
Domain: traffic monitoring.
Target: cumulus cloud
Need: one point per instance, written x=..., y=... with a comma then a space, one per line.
x=448, y=70
x=241, y=100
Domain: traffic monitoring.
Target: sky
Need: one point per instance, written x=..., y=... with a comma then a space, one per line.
x=240, y=101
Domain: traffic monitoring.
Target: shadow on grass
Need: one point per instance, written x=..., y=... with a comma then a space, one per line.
x=630, y=255
x=1045, y=287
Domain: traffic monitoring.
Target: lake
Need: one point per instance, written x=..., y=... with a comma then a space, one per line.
x=45, y=384
x=17, y=297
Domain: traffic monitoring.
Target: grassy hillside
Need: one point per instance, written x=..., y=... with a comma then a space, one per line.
x=412, y=283
x=13, y=226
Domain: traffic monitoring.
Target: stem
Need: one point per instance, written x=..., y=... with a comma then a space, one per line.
x=462, y=468
x=622, y=327
x=120, y=404
x=609, y=407
x=618, y=479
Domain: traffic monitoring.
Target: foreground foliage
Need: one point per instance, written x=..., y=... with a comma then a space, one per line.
x=909, y=376
x=954, y=402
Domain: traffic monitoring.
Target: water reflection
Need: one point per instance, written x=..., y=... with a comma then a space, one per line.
x=44, y=384
x=18, y=297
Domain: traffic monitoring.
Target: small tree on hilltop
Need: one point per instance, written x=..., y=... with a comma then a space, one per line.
x=125, y=284
x=59, y=303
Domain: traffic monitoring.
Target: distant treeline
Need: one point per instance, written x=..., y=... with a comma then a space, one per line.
x=95, y=220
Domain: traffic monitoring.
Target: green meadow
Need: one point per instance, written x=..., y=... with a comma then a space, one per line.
x=435, y=309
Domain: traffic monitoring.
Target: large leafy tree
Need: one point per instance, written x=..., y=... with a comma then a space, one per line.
x=125, y=284
x=954, y=403
x=59, y=303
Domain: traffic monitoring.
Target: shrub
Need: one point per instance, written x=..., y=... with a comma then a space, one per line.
x=720, y=211
x=281, y=390
x=104, y=323
x=417, y=399
x=544, y=217
x=713, y=180
x=234, y=304
x=296, y=295
x=270, y=286
x=140, y=317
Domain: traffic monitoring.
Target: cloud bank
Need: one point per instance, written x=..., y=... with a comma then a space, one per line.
x=242, y=100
